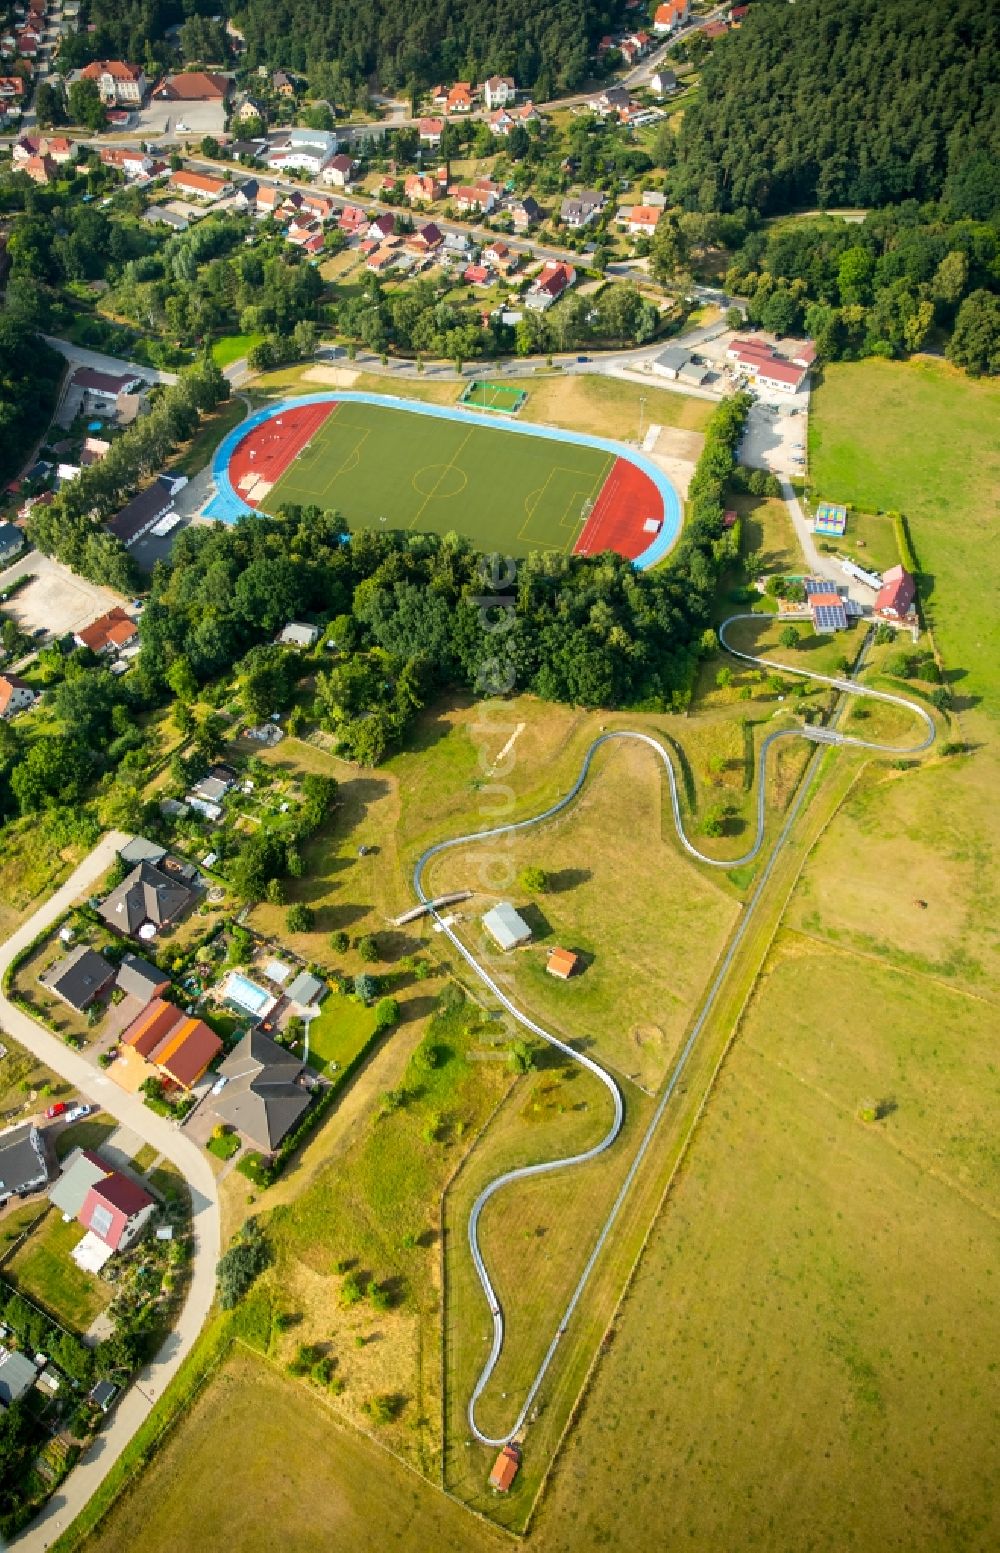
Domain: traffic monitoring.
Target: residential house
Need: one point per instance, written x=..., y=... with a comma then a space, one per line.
x=115, y=1212
x=424, y=188
x=458, y=243
x=303, y=150
x=11, y=542
x=340, y=170
x=108, y=633
x=613, y=99
x=297, y=635
x=352, y=220
x=317, y=206
x=561, y=963
x=471, y=197
x=164, y=1042
x=282, y=84
x=81, y=1169
x=639, y=220
x=431, y=131
x=579, y=210
x=137, y=978
x=500, y=256
x=250, y=108
x=199, y=186
x=79, y=978
x=897, y=598
x=40, y=169
x=28, y=43
x=265, y=1093
x=476, y=275
x=17, y=1376
x=121, y=85
x=526, y=213
x=426, y=239
x=16, y=695
x=501, y=122
x=663, y=82
x=381, y=226
x=269, y=200
x=133, y=164
x=383, y=258
x=525, y=113
x=93, y=451
x=459, y=99
x=148, y=899
x=506, y=927
x=714, y=30
x=11, y=88
x=634, y=47
x=193, y=86
x=58, y=148
x=549, y=284
x=670, y=16
x=499, y=91
x=24, y=1164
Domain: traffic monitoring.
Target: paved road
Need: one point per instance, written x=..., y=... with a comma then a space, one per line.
x=81, y=357
x=164, y=1136
x=821, y=737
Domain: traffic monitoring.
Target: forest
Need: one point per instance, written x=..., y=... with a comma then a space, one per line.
x=879, y=287
x=842, y=102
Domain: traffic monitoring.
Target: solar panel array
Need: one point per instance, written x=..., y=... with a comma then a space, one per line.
x=830, y=617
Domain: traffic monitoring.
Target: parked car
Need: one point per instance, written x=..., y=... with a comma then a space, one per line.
x=76, y=1113
x=57, y=1109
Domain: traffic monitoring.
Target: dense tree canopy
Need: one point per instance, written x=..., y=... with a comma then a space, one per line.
x=543, y=43
x=841, y=102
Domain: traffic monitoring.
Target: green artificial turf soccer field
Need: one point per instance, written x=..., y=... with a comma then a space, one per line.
x=484, y=395
x=506, y=492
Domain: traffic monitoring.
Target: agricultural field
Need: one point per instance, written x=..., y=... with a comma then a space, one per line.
x=276, y=1448
x=920, y=438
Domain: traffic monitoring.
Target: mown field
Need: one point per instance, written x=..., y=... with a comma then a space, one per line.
x=640, y=970
x=920, y=438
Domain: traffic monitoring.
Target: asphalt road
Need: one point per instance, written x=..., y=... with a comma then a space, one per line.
x=94, y=1085
x=821, y=737
x=79, y=356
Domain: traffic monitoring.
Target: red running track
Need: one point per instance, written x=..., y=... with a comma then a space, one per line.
x=628, y=498
x=267, y=451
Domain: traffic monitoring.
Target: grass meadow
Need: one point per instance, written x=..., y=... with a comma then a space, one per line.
x=920, y=438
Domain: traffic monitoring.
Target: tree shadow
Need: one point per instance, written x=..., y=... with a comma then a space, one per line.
x=567, y=879
x=536, y=920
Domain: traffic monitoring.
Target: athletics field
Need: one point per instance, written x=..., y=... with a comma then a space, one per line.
x=427, y=469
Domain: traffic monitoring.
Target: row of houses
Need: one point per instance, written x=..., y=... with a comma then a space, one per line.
x=495, y=92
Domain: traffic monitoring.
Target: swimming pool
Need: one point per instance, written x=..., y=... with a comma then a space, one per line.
x=247, y=995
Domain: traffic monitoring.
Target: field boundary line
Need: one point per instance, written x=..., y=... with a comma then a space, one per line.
x=887, y=965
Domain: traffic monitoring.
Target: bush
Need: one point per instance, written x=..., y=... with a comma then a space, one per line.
x=521, y=1057
x=366, y=988
x=386, y=1013
x=351, y=1290
x=300, y=918
x=242, y=1264
x=382, y=1409
x=340, y=941
x=367, y=947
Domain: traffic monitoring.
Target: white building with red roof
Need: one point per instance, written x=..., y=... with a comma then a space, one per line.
x=671, y=15
x=897, y=598
x=121, y=85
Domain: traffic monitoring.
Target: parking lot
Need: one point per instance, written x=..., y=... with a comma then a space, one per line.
x=775, y=439
x=56, y=600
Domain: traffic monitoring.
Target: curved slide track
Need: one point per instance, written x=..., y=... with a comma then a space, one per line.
x=819, y=736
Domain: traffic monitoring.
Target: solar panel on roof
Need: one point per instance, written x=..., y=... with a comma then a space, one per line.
x=829, y=617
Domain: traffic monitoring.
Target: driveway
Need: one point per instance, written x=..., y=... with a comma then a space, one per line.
x=135, y=1406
